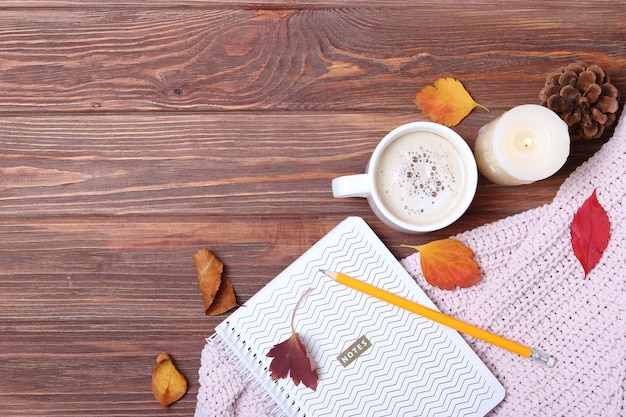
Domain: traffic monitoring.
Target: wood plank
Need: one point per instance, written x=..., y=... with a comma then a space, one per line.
x=185, y=164
x=214, y=165
x=227, y=59
x=309, y=4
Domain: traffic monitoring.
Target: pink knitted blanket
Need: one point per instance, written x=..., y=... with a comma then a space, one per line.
x=533, y=291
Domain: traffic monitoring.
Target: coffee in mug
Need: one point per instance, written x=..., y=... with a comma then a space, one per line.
x=421, y=177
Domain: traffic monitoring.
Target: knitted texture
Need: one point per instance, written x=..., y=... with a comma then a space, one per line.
x=533, y=290
x=225, y=391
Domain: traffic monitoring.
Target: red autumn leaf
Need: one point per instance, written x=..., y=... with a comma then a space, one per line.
x=590, y=231
x=448, y=263
x=290, y=357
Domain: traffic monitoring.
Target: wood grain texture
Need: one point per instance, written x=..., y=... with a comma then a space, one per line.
x=134, y=133
x=228, y=59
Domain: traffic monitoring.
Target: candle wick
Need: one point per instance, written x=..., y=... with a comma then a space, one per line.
x=528, y=142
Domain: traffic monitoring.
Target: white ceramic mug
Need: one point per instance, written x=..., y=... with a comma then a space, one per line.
x=421, y=177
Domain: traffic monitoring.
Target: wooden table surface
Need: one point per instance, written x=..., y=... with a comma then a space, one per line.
x=134, y=133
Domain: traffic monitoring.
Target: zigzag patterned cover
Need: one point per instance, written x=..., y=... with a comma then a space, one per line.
x=414, y=367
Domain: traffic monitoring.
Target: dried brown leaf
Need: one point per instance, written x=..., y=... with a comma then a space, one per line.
x=217, y=291
x=224, y=299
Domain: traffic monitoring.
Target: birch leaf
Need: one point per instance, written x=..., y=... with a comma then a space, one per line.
x=446, y=102
x=448, y=263
x=590, y=232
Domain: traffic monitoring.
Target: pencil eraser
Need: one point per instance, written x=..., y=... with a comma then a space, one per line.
x=551, y=361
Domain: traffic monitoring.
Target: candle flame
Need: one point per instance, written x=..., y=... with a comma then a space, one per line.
x=525, y=141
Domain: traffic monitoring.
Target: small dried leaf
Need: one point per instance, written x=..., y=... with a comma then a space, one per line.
x=209, y=269
x=590, y=232
x=448, y=263
x=224, y=299
x=168, y=384
x=290, y=357
x=217, y=290
x=447, y=102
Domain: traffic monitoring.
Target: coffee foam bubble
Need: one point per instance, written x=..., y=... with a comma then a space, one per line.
x=420, y=178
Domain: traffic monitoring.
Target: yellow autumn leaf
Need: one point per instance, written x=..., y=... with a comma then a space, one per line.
x=446, y=102
x=448, y=263
x=168, y=384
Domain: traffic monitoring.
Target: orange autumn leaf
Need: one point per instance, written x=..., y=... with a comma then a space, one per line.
x=168, y=384
x=446, y=102
x=448, y=263
x=217, y=290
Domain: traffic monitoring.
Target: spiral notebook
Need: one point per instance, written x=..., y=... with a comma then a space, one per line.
x=373, y=359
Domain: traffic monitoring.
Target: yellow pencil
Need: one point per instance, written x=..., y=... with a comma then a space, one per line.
x=440, y=318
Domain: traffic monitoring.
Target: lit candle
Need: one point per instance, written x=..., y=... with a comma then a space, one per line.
x=526, y=144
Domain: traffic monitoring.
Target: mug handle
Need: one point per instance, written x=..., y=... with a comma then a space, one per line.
x=351, y=186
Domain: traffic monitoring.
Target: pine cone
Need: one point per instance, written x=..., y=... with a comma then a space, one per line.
x=584, y=98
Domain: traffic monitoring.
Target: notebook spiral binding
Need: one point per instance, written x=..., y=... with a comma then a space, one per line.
x=253, y=372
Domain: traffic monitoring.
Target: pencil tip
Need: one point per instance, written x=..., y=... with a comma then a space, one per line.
x=330, y=274
x=544, y=358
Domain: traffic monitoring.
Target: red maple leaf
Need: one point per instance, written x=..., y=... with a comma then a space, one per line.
x=290, y=357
